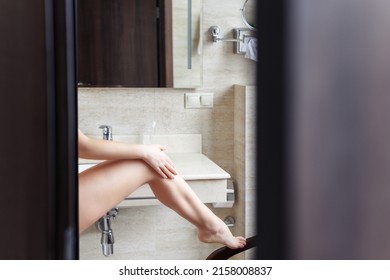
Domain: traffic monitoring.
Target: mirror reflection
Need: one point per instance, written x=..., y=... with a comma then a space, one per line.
x=139, y=43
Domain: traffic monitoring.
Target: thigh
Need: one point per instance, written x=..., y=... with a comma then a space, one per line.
x=105, y=185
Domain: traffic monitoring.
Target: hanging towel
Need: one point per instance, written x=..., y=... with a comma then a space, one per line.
x=251, y=49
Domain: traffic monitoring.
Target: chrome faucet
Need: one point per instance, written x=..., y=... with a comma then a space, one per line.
x=107, y=132
x=104, y=225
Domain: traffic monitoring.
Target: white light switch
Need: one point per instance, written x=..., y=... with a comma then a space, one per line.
x=206, y=100
x=193, y=101
x=199, y=100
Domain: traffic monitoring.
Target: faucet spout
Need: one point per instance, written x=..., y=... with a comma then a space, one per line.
x=104, y=225
x=107, y=242
x=107, y=132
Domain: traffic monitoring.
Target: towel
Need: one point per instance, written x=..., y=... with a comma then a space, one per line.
x=251, y=49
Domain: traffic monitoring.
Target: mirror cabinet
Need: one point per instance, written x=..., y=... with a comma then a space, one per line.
x=139, y=43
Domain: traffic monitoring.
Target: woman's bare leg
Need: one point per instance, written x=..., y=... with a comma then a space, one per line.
x=106, y=185
x=178, y=195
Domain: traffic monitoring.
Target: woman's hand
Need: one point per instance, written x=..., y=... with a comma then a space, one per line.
x=155, y=156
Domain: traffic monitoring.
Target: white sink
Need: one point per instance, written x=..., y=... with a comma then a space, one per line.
x=85, y=166
x=206, y=178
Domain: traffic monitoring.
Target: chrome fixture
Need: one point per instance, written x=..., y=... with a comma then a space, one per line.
x=104, y=225
x=240, y=39
x=241, y=36
x=215, y=30
x=230, y=221
x=107, y=132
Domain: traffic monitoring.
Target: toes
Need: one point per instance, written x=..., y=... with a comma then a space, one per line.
x=241, y=239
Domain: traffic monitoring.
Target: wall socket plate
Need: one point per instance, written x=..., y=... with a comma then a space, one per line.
x=198, y=100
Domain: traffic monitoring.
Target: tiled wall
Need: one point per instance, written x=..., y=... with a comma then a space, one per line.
x=154, y=232
x=244, y=158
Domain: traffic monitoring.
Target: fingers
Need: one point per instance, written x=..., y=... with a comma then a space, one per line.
x=165, y=173
x=161, y=173
x=168, y=170
x=161, y=163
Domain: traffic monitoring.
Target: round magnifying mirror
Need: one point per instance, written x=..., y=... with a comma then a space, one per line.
x=249, y=14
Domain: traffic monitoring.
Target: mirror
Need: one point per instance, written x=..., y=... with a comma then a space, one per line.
x=187, y=43
x=139, y=43
x=248, y=16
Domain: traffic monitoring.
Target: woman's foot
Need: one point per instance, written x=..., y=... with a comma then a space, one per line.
x=221, y=234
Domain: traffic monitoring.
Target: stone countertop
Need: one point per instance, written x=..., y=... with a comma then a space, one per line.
x=191, y=166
